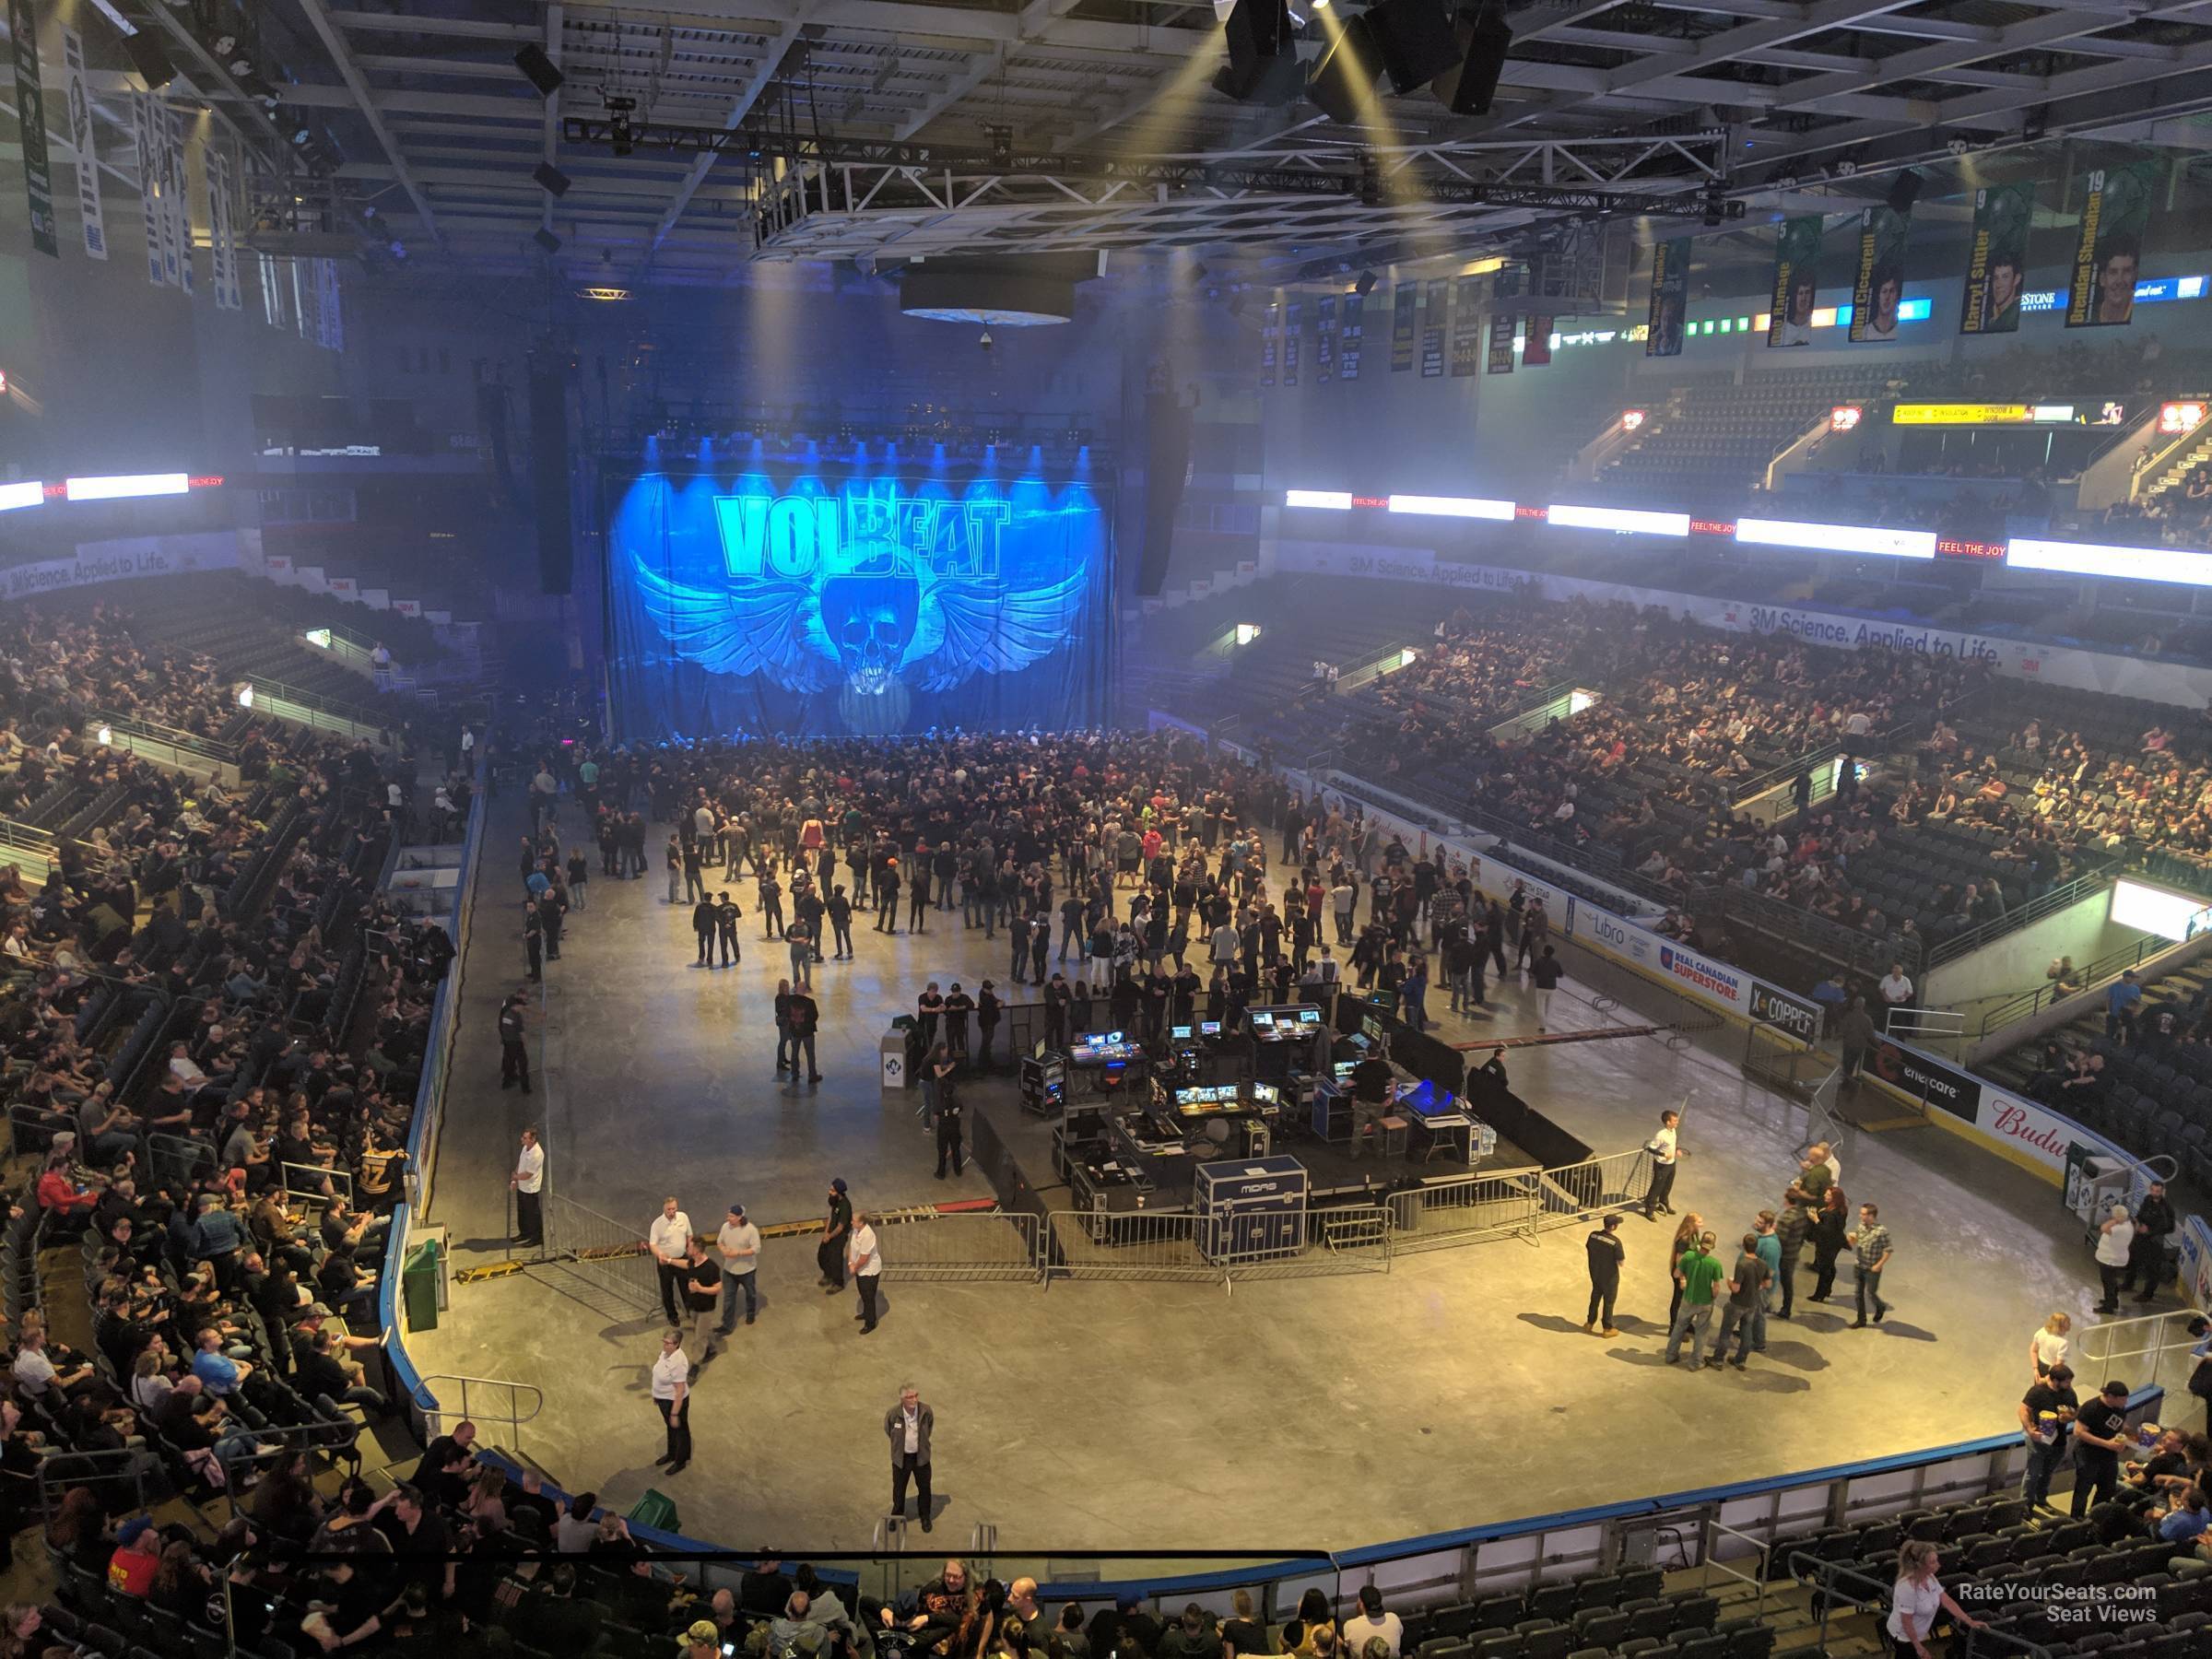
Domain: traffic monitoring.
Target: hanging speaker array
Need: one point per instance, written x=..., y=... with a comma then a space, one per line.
x=1457, y=52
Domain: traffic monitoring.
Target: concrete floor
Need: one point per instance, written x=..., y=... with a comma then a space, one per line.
x=1456, y=1389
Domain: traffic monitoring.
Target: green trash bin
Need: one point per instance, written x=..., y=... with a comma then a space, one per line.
x=418, y=1286
x=656, y=1509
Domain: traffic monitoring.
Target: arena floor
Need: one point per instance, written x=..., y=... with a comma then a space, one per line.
x=1292, y=1414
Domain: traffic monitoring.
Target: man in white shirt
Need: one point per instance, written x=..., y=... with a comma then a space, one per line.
x=670, y=1241
x=1370, y=1622
x=528, y=1181
x=672, y=1398
x=2115, y=1236
x=1897, y=993
x=34, y=1371
x=865, y=1263
x=739, y=1242
x=907, y=1426
x=1666, y=1149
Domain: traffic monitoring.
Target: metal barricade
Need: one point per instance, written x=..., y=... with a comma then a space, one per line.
x=1467, y=1209
x=1824, y=1119
x=1349, y=1239
x=601, y=1249
x=1614, y=1181
x=997, y=1244
x=1138, y=1244
x=133, y=1469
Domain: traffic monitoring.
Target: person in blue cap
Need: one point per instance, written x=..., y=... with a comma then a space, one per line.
x=739, y=1243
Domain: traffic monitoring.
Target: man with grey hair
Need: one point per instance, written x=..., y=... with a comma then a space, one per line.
x=907, y=1426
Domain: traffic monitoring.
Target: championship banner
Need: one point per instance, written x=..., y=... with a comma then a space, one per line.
x=89, y=211
x=1536, y=344
x=149, y=201
x=1293, y=319
x=1436, y=299
x=178, y=201
x=2108, y=248
x=1269, y=324
x=334, y=307
x=1796, y=281
x=1670, y=298
x=162, y=191
x=272, y=290
x=1879, y=283
x=1347, y=356
x=1406, y=296
x=1467, y=329
x=1502, y=344
x=1996, y=260
x=30, y=112
x=222, y=229
x=1324, y=339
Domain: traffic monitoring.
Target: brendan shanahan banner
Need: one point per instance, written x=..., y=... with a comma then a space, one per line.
x=81, y=141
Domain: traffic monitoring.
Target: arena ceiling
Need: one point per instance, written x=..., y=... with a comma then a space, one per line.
x=864, y=129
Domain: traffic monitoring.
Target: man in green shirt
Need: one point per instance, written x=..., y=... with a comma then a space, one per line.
x=1699, y=1270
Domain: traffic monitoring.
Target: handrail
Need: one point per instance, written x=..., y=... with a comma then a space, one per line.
x=514, y=1416
x=214, y=748
x=314, y=702
x=2103, y=971
x=1802, y=1564
x=2019, y=916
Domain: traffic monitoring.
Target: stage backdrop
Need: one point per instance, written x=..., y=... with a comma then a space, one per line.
x=779, y=600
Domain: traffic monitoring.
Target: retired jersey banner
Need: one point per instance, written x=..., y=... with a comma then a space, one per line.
x=1502, y=344
x=1407, y=296
x=1467, y=329
x=1536, y=347
x=30, y=114
x=177, y=200
x=1324, y=339
x=1293, y=319
x=81, y=140
x=1348, y=355
x=1996, y=259
x=1270, y=325
x=149, y=194
x=1670, y=298
x=2108, y=247
x=222, y=229
x=1880, y=284
x=1796, y=281
x=1436, y=302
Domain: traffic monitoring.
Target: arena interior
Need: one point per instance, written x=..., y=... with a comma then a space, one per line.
x=1339, y=783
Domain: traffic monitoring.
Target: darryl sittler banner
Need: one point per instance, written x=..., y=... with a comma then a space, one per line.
x=1996, y=260
x=1670, y=298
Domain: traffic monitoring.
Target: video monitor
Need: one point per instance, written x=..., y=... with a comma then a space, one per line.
x=1209, y=1028
x=1180, y=1033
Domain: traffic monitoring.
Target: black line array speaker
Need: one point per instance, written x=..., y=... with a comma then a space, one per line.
x=1415, y=40
x=149, y=60
x=1485, y=38
x=550, y=471
x=1167, y=467
x=1342, y=82
x=1259, y=37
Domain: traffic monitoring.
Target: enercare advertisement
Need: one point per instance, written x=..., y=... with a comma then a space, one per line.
x=2012, y=1121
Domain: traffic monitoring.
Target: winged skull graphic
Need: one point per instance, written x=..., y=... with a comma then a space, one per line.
x=871, y=630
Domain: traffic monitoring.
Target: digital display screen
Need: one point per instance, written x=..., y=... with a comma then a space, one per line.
x=2133, y=564
x=1627, y=520
x=2154, y=909
x=1179, y=1032
x=1209, y=1028
x=1309, y=1017
x=1262, y=1022
x=1836, y=538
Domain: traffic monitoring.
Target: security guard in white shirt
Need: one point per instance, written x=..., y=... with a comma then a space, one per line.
x=528, y=1181
x=670, y=1241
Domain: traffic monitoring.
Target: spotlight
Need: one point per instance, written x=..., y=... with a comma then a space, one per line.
x=546, y=239
x=985, y=342
x=550, y=178
x=620, y=134
x=533, y=61
x=1002, y=147
x=1366, y=285
x=225, y=45
x=241, y=68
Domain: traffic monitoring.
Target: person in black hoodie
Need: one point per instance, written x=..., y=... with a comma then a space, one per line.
x=703, y=924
